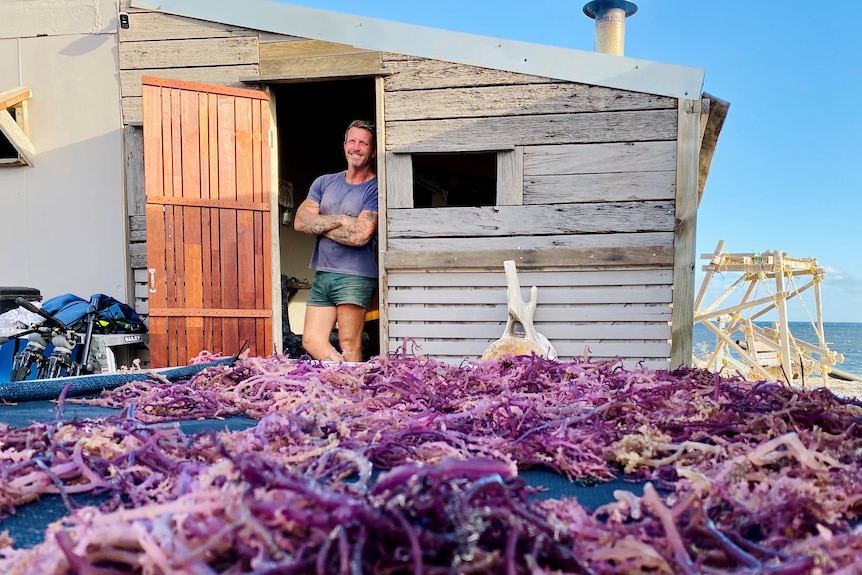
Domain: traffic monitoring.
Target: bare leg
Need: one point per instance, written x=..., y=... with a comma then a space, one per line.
x=351, y=320
x=319, y=322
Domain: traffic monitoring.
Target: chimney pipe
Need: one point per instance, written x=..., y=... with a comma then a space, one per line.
x=610, y=17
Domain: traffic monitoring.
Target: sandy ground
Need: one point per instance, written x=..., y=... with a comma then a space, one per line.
x=837, y=386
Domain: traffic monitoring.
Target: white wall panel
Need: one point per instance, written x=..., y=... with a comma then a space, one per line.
x=63, y=227
x=28, y=18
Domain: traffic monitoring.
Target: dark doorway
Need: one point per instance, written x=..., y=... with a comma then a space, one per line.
x=464, y=179
x=312, y=118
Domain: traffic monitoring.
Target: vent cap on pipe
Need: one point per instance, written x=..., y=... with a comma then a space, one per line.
x=610, y=17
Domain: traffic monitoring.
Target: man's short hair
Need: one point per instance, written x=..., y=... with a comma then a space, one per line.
x=365, y=125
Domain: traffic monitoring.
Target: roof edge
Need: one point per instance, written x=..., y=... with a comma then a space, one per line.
x=716, y=116
x=388, y=36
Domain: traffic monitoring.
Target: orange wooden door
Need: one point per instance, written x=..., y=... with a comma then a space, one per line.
x=207, y=178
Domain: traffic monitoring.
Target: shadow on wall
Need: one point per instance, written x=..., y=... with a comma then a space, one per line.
x=69, y=228
x=87, y=44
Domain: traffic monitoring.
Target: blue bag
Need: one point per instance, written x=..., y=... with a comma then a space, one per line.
x=112, y=316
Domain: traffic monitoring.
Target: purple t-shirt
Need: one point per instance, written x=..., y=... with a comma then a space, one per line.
x=336, y=196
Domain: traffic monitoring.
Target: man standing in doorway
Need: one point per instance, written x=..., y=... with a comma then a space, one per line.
x=341, y=210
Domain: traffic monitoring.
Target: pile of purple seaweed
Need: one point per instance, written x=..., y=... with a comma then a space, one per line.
x=410, y=465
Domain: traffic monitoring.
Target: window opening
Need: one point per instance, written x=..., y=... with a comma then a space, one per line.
x=462, y=179
x=15, y=146
x=7, y=150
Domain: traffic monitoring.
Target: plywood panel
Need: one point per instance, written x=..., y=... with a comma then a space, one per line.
x=497, y=133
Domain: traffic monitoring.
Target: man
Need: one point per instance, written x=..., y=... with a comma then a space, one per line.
x=341, y=210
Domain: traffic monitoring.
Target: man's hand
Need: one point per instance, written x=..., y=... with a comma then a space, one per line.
x=309, y=220
x=354, y=231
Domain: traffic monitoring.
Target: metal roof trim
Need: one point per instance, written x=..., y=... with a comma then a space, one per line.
x=387, y=36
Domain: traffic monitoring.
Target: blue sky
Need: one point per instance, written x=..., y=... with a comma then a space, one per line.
x=787, y=172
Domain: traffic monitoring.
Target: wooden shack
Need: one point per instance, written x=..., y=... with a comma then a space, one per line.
x=584, y=168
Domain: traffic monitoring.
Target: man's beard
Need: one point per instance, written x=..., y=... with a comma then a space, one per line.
x=358, y=161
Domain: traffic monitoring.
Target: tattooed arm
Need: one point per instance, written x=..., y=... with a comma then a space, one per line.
x=356, y=231
x=341, y=228
x=309, y=220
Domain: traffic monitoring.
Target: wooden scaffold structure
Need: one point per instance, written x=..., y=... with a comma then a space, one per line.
x=772, y=353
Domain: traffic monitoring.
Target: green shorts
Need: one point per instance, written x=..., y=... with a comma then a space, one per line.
x=331, y=289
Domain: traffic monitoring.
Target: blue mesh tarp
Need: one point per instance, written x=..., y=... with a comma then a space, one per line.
x=28, y=523
x=36, y=389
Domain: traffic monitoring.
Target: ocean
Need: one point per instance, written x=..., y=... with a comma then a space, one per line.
x=844, y=338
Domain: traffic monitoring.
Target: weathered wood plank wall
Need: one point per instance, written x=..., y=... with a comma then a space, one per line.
x=591, y=221
x=167, y=46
